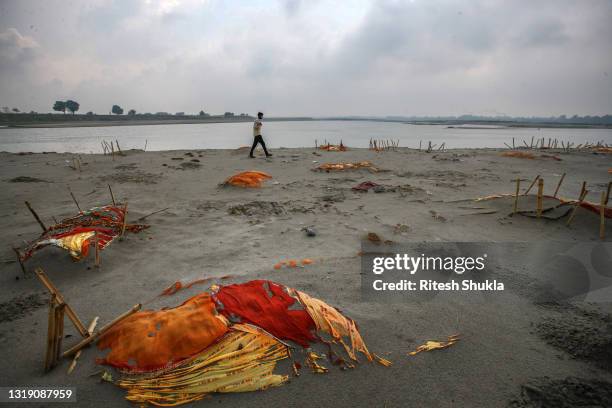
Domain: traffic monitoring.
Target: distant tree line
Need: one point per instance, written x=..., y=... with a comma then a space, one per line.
x=564, y=119
x=61, y=106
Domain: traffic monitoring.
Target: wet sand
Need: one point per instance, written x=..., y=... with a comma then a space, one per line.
x=509, y=340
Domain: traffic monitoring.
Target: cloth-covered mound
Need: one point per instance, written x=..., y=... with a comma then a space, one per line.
x=250, y=178
x=154, y=340
x=77, y=234
x=228, y=340
x=347, y=166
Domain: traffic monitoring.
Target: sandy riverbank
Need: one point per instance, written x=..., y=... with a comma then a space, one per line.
x=509, y=340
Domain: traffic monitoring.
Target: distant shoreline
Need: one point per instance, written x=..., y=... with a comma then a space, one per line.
x=26, y=121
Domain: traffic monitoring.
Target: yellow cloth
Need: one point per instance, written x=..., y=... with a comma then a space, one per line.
x=73, y=243
x=243, y=360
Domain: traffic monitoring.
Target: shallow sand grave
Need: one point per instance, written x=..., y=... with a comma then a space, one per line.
x=212, y=231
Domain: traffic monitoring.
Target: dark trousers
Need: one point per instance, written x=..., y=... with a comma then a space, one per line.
x=258, y=139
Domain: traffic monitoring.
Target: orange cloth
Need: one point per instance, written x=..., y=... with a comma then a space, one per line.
x=153, y=340
x=248, y=179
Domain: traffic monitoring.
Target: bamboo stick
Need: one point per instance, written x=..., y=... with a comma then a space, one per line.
x=559, y=185
x=90, y=330
x=101, y=332
x=608, y=192
x=583, y=195
x=602, y=216
x=42, y=276
x=23, y=269
x=97, y=256
x=75, y=200
x=59, y=330
x=540, y=194
x=111, y=193
x=532, y=184
x=36, y=216
x=516, y=195
x=154, y=212
x=125, y=213
x=50, y=333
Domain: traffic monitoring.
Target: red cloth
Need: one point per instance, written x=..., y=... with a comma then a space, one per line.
x=253, y=303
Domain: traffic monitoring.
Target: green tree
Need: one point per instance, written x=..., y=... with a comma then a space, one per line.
x=72, y=106
x=132, y=112
x=117, y=110
x=59, y=106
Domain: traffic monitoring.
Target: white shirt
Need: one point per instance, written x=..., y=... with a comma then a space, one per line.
x=257, y=127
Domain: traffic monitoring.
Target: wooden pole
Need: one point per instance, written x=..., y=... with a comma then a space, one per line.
x=559, y=185
x=96, y=243
x=111, y=193
x=90, y=330
x=516, y=195
x=36, y=216
x=608, y=192
x=540, y=194
x=583, y=188
x=59, y=330
x=154, y=212
x=23, y=269
x=125, y=213
x=532, y=184
x=75, y=200
x=602, y=216
x=583, y=195
x=101, y=332
x=42, y=276
x=50, y=334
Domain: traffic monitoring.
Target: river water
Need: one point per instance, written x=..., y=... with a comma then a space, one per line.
x=278, y=134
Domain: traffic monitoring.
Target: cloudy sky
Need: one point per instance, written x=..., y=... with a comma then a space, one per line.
x=311, y=57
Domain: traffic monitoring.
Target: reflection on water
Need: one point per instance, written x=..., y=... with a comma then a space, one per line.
x=278, y=134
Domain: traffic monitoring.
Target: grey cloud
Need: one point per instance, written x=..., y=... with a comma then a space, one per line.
x=292, y=57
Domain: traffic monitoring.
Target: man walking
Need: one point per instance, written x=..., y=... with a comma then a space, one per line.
x=257, y=138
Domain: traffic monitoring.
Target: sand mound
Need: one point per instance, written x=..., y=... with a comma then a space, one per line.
x=569, y=392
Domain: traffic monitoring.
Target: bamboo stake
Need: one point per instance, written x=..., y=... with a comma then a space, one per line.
x=90, y=330
x=101, y=332
x=59, y=330
x=111, y=193
x=583, y=195
x=154, y=212
x=532, y=184
x=50, y=334
x=42, y=276
x=96, y=243
x=602, y=216
x=540, y=193
x=125, y=213
x=75, y=200
x=516, y=195
x=36, y=216
x=608, y=192
x=23, y=269
x=559, y=185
